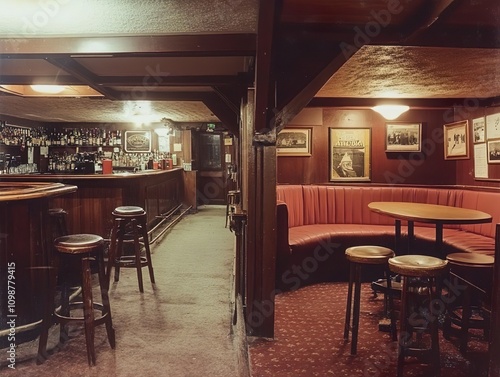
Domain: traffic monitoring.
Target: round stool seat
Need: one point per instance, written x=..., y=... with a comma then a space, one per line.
x=369, y=254
x=128, y=211
x=77, y=243
x=471, y=259
x=417, y=265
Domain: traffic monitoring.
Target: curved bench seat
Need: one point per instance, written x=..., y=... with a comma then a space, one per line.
x=316, y=224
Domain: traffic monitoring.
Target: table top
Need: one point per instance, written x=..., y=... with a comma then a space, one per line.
x=430, y=213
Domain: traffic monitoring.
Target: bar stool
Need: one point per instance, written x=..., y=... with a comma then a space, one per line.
x=86, y=248
x=129, y=221
x=358, y=256
x=419, y=275
x=473, y=272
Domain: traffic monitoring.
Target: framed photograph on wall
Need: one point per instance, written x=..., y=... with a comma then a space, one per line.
x=456, y=140
x=294, y=142
x=350, y=154
x=494, y=151
x=493, y=126
x=403, y=137
x=138, y=141
x=479, y=129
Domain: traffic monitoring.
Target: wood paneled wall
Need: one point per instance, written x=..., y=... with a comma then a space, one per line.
x=426, y=167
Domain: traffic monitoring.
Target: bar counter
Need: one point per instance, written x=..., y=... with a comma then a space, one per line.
x=25, y=249
x=89, y=208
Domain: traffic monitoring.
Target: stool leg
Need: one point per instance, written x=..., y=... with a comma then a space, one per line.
x=88, y=310
x=49, y=287
x=402, y=326
x=63, y=333
x=137, y=248
x=356, y=309
x=112, y=251
x=145, y=239
x=433, y=295
x=347, y=323
x=390, y=301
x=466, y=314
x=103, y=284
x=119, y=246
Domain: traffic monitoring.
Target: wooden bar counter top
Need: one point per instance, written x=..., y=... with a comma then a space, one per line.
x=89, y=208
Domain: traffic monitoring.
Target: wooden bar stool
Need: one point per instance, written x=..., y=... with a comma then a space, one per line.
x=474, y=274
x=358, y=256
x=129, y=221
x=86, y=248
x=419, y=307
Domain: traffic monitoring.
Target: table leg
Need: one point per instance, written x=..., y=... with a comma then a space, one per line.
x=397, y=242
x=439, y=239
x=411, y=236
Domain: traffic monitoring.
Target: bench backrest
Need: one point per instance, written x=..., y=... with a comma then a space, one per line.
x=316, y=204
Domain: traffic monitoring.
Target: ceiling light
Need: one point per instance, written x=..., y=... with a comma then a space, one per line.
x=48, y=89
x=391, y=112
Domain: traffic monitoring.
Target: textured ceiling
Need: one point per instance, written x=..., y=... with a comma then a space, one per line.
x=417, y=72
x=103, y=110
x=35, y=18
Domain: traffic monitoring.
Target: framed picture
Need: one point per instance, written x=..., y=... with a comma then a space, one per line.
x=456, y=140
x=403, y=137
x=350, y=152
x=294, y=142
x=494, y=151
x=493, y=126
x=479, y=129
x=138, y=141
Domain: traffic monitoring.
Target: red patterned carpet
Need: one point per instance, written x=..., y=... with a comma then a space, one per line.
x=309, y=341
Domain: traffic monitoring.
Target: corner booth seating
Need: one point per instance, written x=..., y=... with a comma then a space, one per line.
x=316, y=224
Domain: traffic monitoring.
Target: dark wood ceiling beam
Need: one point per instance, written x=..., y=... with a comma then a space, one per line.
x=429, y=14
x=83, y=74
x=222, y=111
x=164, y=45
x=231, y=97
x=46, y=80
x=265, y=97
x=422, y=103
x=169, y=80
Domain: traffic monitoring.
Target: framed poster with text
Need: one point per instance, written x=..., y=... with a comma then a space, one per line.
x=138, y=141
x=350, y=154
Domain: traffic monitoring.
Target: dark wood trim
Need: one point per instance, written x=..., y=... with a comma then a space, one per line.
x=161, y=45
x=222, y=111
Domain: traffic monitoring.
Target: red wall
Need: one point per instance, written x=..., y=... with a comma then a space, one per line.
x=426, y=167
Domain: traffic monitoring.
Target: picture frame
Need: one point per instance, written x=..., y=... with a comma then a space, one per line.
x=350, y=154
x=138, y=141
x=294, y=141
x=479, y=130
x=493, y=126
x=456, y=140
x=494, y=151
x=403, y=137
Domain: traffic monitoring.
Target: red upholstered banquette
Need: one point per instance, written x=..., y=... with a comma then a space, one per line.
x=315, y=224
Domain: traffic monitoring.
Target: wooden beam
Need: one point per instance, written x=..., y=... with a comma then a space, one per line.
x=83, y=74
x=426, y=17
x=159, y=45
x=443, y=103
x=264, y=67
x=222, y=111
x=494, y=345
x=169, y=80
